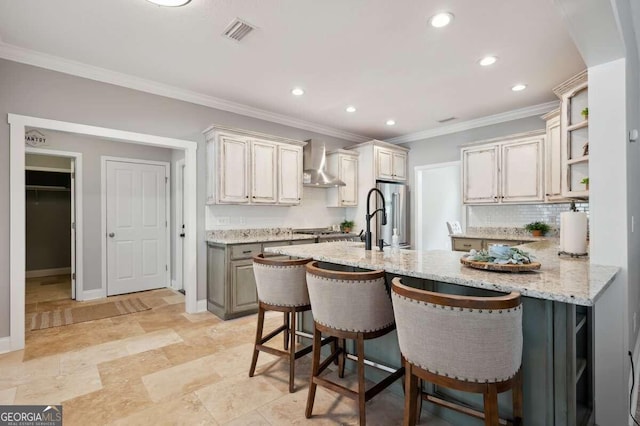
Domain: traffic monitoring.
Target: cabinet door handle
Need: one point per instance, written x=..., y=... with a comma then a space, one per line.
x=246, y=196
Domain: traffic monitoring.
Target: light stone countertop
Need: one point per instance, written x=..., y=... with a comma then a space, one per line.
x=561, y=279
x=257, y=238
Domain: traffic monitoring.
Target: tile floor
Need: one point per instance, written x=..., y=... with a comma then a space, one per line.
x=164, y=366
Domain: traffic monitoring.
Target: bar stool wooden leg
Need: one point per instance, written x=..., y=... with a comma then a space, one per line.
x=517, y=399
x=342, y=347
x=491, y=406
x=259, y=329
x=286, y=334
x=411, y=395
x=315, y=367
x=292, y=350
x=361, y=388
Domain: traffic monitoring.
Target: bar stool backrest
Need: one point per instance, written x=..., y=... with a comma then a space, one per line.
x=281, y=282
x=349, y=301
x=473, y=339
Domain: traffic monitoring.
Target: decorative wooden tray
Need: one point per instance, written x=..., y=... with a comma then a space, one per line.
x=488, y=266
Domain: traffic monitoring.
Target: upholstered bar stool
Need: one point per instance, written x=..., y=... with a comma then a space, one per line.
x=282, y=287
x=470, y=344
x=348, y=305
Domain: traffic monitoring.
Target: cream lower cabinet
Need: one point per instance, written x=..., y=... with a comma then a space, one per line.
x=344, y=165
x=505, y=171
x=252, y=168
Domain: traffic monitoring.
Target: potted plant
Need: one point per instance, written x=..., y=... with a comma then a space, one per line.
x=537, y=229
x=585, y=113
x=585, y=182
x=346, y=226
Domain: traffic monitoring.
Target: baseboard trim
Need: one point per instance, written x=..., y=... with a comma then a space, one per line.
x=92, y=294
x=37, y=273
x=201, y=305
x=5, y=345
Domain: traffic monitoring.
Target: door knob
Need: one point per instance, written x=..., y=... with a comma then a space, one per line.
x=111, y=235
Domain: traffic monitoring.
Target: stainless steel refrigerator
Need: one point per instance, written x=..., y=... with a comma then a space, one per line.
x=396, y=198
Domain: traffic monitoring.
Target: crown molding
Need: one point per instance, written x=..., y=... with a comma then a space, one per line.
x=79, y=69
x=477, y=122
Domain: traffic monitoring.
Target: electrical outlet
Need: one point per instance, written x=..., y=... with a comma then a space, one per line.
x=222, y=220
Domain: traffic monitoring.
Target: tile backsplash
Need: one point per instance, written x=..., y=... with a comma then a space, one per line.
x=517, y=215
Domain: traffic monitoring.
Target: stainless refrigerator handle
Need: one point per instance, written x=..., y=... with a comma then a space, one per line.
x=394, y=209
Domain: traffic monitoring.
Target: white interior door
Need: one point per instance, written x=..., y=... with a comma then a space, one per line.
x=440, y=200
x=73, y=228
x=136, y=221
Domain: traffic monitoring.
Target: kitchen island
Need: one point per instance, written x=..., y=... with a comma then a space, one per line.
x=558, y=302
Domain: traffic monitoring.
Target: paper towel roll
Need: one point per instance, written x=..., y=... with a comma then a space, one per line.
x=573, y=232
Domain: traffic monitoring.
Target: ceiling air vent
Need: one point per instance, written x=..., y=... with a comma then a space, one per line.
x=445, y=120
x=237, y=30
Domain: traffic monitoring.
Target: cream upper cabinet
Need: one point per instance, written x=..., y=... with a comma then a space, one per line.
x=553, y=157
x=399, y=165
x=505, y=170
x=390, y=164
x=480, y=174
x=234, y=172
x=247, y=167
x=290, y=180
x=344, y=165
x=264, y=156
x=521, y=171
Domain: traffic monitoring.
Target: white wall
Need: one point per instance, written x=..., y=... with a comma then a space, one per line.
x=42, y=93
x=609, y=222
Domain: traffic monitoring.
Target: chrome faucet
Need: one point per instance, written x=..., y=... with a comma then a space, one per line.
x=367, y=235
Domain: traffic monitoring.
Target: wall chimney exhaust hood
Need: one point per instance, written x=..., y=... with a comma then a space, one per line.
x=315, y=163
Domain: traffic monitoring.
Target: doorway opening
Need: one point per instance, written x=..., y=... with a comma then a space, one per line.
x=52, y=227
x=438, y=201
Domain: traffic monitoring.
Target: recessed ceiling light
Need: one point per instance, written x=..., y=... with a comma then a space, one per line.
x=351, y=108
x=519, y=87
x=170, y=3
x=296, y=91
x=441, y=19
x=391, y=122
x=488, y=60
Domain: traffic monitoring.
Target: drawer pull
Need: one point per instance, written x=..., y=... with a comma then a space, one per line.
x=246, y=251
x=466, y=245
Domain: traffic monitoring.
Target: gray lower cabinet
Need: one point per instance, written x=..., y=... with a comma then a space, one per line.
x=231, y=285
x=466, y=244
x=243, y=287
